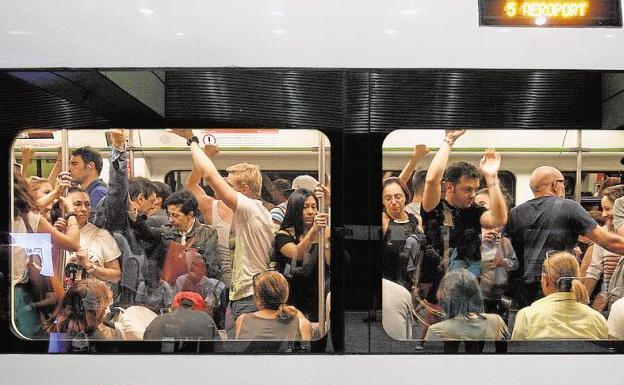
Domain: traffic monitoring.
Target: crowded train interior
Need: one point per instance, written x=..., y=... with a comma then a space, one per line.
x=312, y=211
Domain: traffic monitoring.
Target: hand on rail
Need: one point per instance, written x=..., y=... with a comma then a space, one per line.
x=420, y=150
x=321, y=191
x=27, y=154
x=211, y=150
x=118, y=138
x=452, y=135
x=63, y=181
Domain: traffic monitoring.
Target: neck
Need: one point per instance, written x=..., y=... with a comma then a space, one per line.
x=401, y=216
x=88, y=180
x=449, y=198
x=82, y=225
x=190, y=226
x=544, y=194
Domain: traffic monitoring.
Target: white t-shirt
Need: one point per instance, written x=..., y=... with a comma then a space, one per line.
x=254, y=244
x=615, y=322
x=99, y=243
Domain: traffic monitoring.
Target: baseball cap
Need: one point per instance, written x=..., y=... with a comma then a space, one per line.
x=304, y=181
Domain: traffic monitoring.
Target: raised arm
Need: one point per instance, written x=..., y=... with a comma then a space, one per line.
x=57, y=168
x=204, y=200
x=297, y=251
x=27, y=154
x=208, y=170
x=435, y=173
x=63, y=182
x=497, y=215
x=420, y=150
x=70, y=240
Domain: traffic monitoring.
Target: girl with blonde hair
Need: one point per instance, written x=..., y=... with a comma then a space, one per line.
x=563, y=313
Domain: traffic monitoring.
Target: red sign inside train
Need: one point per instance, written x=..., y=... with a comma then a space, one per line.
x=550, y=13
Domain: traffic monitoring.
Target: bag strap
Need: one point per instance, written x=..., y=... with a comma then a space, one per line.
x=447, y=226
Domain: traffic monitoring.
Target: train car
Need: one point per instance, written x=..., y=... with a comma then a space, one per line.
x=375, y=79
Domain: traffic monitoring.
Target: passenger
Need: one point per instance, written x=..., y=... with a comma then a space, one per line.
x=240, y=191
x=154, y=293
x=27, y=219
x=563, y=312
x=43, y=193
x=266, y=192
x=618, y=216
x=98, y=255
x=80, y=315
x=397, y=310
x=185, y=231
x=615, y=322
x=462, y=302
x=603, y=261
x=587, y=246
x=453, y=224
x=281, y=191
x=397, y=225
x=417, y=179
x=187, y=321
x=297, y=250
x=274, y=320
x=216, y=214
x=196, y=281
x=158, y=215
x=85, y=166
x=549, y=222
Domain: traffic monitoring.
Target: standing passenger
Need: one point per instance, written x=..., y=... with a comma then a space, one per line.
x=240, y=191
x=453, y=224
x=549, y=222
x=85, y=166
x=158, y=215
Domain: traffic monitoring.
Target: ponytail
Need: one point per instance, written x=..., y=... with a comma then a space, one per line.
x=286, y=313
x=580, y=292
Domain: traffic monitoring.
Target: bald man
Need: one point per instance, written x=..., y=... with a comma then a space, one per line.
x=549, y=222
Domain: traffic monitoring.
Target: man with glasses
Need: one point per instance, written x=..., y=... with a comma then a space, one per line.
x=549, y=222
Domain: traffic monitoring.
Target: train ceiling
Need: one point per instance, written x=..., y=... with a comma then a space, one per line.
x=342, y=100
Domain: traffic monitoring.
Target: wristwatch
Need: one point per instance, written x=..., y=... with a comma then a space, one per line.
x=192, y=139
x=69, y=214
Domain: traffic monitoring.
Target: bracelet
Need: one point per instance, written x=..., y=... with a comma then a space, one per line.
x=449, y=141
x=191, y=140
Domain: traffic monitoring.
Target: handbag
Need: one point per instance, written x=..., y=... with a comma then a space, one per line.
x=178, y=260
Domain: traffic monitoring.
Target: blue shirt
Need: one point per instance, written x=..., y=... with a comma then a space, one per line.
x=96, y=190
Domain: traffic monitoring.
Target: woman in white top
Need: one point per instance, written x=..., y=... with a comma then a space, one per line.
x=99, y=253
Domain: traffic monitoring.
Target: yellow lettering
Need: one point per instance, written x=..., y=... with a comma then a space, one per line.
x=511, y=9
x=584, y=7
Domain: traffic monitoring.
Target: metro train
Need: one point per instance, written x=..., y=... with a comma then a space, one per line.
x=356, y=71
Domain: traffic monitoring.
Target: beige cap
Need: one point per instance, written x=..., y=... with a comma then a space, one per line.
x=304, y=181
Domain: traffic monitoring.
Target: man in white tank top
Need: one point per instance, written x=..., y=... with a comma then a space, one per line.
x=240, y=192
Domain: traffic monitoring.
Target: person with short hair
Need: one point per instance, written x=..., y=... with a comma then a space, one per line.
x=464, y=318
x=549, y=222
x=274, y=319
x=415, y=178
x=281, y=191
x=153, y=292
x=85, y=166
x=188, y=321
x=157, y=216
x=453, y=224
x=240, y=191
x=209, y=288
x=563, y=312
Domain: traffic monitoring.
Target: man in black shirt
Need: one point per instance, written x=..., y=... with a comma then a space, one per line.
x=547, y=223
x=453, y=224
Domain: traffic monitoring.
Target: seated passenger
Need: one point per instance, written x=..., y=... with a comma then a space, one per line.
x=274, y=320
x=397, y=310
x=462, y=302
x=196, y=281
x=98, y=254
x=80, y=314
x=187, y=321
x=154, y=293
x=297, y=250
x=563, y=312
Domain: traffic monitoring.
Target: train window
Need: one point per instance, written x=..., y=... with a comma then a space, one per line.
x=102, y=250
x=447, y=258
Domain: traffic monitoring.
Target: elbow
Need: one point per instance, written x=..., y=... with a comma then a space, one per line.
x=116, y=277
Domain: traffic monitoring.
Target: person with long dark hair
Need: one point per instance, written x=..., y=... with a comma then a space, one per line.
x=297, y=249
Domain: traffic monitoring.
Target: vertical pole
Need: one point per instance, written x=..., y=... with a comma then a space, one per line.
x=579, y=166
x=64, y=167
x=131, y=153
x=321, y=240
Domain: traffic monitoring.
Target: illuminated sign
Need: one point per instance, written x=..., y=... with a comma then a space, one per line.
x=550, y=13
